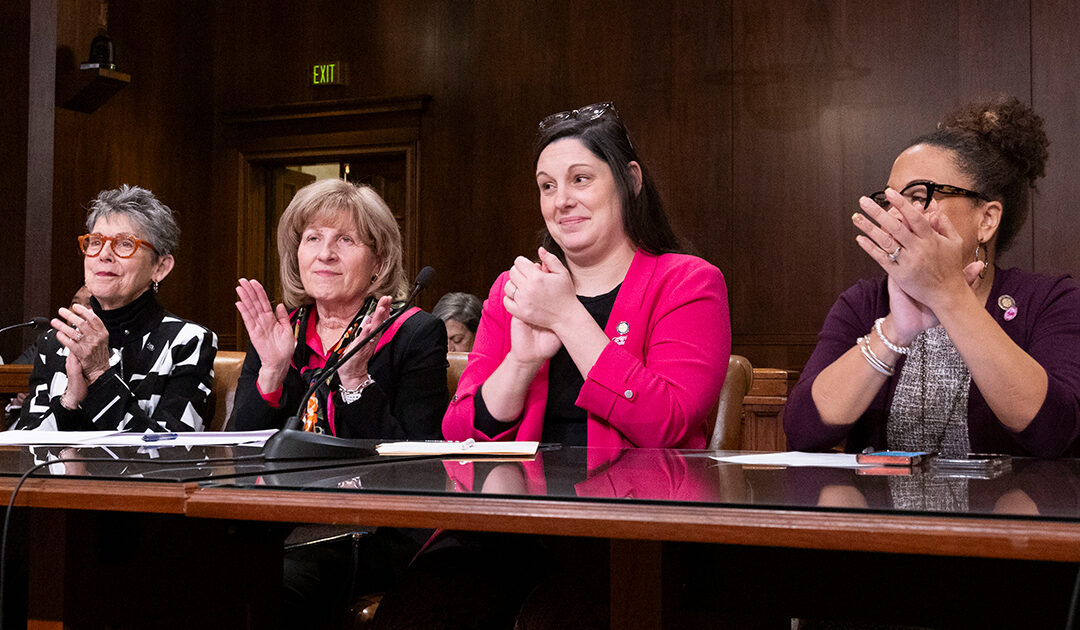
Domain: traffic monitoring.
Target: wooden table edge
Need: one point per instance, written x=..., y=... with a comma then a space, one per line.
x=162, y=497
x=989, y=537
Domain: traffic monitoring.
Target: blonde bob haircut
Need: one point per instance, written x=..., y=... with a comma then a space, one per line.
x=337, y=202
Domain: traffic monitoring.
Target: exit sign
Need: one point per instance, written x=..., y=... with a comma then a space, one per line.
x=333, y=73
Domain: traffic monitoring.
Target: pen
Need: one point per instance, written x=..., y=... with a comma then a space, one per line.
x=158, y=437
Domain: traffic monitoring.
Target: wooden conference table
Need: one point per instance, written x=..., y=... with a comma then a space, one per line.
x=115, y=543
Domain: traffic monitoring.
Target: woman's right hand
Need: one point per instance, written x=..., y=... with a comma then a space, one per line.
x=907, y=316
x=270, y=332
x=531, y=344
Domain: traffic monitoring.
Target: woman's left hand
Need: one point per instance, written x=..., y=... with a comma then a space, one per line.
x=355, y=370
x=923, y=253
x=540, y=294
x=84, y=335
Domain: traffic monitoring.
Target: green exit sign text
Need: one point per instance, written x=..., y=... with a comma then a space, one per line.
x=333, y=73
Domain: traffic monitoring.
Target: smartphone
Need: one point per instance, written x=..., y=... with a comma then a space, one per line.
x=973, y=461
x=892, y=458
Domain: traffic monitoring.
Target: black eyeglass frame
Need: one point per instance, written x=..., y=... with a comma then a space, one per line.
x=931, y=189
x=584, y=114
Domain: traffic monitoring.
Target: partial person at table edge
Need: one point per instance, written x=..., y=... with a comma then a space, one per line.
x=125, y=363
x=461, y=314
x=948, y=352
x=610, y=338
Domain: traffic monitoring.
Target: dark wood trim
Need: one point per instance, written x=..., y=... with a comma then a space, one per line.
x=14, y=379
x=41, y=130
x=90, y=494
x=327, y=109
x=383, y=127
x=890, y=533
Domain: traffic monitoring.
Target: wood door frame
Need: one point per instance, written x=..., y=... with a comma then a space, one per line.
x=309, y=132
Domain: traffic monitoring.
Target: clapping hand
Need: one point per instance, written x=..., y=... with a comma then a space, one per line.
x=269, y=330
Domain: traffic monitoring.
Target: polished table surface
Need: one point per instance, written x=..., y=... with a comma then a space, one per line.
x=230, y=511
x=1031, y=511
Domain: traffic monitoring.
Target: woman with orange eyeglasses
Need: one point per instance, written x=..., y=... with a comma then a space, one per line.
x=124, y=363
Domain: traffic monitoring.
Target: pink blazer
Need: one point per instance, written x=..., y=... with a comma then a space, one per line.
x=655, y=382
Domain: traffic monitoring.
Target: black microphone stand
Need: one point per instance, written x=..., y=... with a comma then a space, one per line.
x=292, y=443
x=37, y=322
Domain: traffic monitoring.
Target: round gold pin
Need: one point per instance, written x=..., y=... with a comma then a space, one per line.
x=1005, y=302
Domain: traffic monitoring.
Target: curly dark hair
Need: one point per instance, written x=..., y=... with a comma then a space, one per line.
x=1001, y=144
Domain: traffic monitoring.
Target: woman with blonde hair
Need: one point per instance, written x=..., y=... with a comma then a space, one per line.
x=341, y=269
x=340, y=252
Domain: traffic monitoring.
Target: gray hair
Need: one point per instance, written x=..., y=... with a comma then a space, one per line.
x=462, y=307
x=153, y=220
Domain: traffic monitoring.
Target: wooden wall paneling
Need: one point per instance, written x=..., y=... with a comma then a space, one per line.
x=796, y=85
x=39, y=156
x=510, y=97
x=1055, y=73
x=156, y=133
x=14, y=128
x=268, y=137
x=824, y=103
x=994, y=57
x=762, y=124
x=698, y=170
x=664, y=68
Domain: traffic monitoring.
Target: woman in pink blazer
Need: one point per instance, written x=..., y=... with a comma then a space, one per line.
x=611, y=339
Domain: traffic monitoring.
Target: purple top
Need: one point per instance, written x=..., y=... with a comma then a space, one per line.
x=1046, y=325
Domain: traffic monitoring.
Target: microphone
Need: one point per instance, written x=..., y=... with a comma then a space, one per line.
x=292, y=443
x=39, y=322
x=422, y=280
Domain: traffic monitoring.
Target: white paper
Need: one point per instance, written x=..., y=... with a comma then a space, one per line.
x=60, y=438
x=205, y=438
x=795, y=458
x=468, y=447
x=116, y=438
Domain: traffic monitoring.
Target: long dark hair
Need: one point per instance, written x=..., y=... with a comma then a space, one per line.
x=606, y=137
x=1001, y=144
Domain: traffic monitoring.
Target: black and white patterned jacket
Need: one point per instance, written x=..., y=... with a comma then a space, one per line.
x=159, y=379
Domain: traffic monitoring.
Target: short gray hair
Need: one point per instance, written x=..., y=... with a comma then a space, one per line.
x=462, y=307
x=154, y=220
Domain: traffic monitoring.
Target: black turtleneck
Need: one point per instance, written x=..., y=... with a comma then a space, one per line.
x=130, y=321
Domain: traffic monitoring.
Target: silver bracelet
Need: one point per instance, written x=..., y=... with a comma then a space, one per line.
x=885, y=340
x=349, y=396
x=872, y=359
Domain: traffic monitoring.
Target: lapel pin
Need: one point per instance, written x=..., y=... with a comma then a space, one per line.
x=1008, y=304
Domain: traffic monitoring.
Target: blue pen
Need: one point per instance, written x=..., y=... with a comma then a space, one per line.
x=158, y=437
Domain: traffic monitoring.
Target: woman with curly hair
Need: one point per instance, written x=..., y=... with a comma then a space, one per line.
x=948, y=352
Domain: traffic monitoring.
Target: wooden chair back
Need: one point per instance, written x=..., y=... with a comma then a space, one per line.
x=227, y=366
x=457, y=361
x=727, y=430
